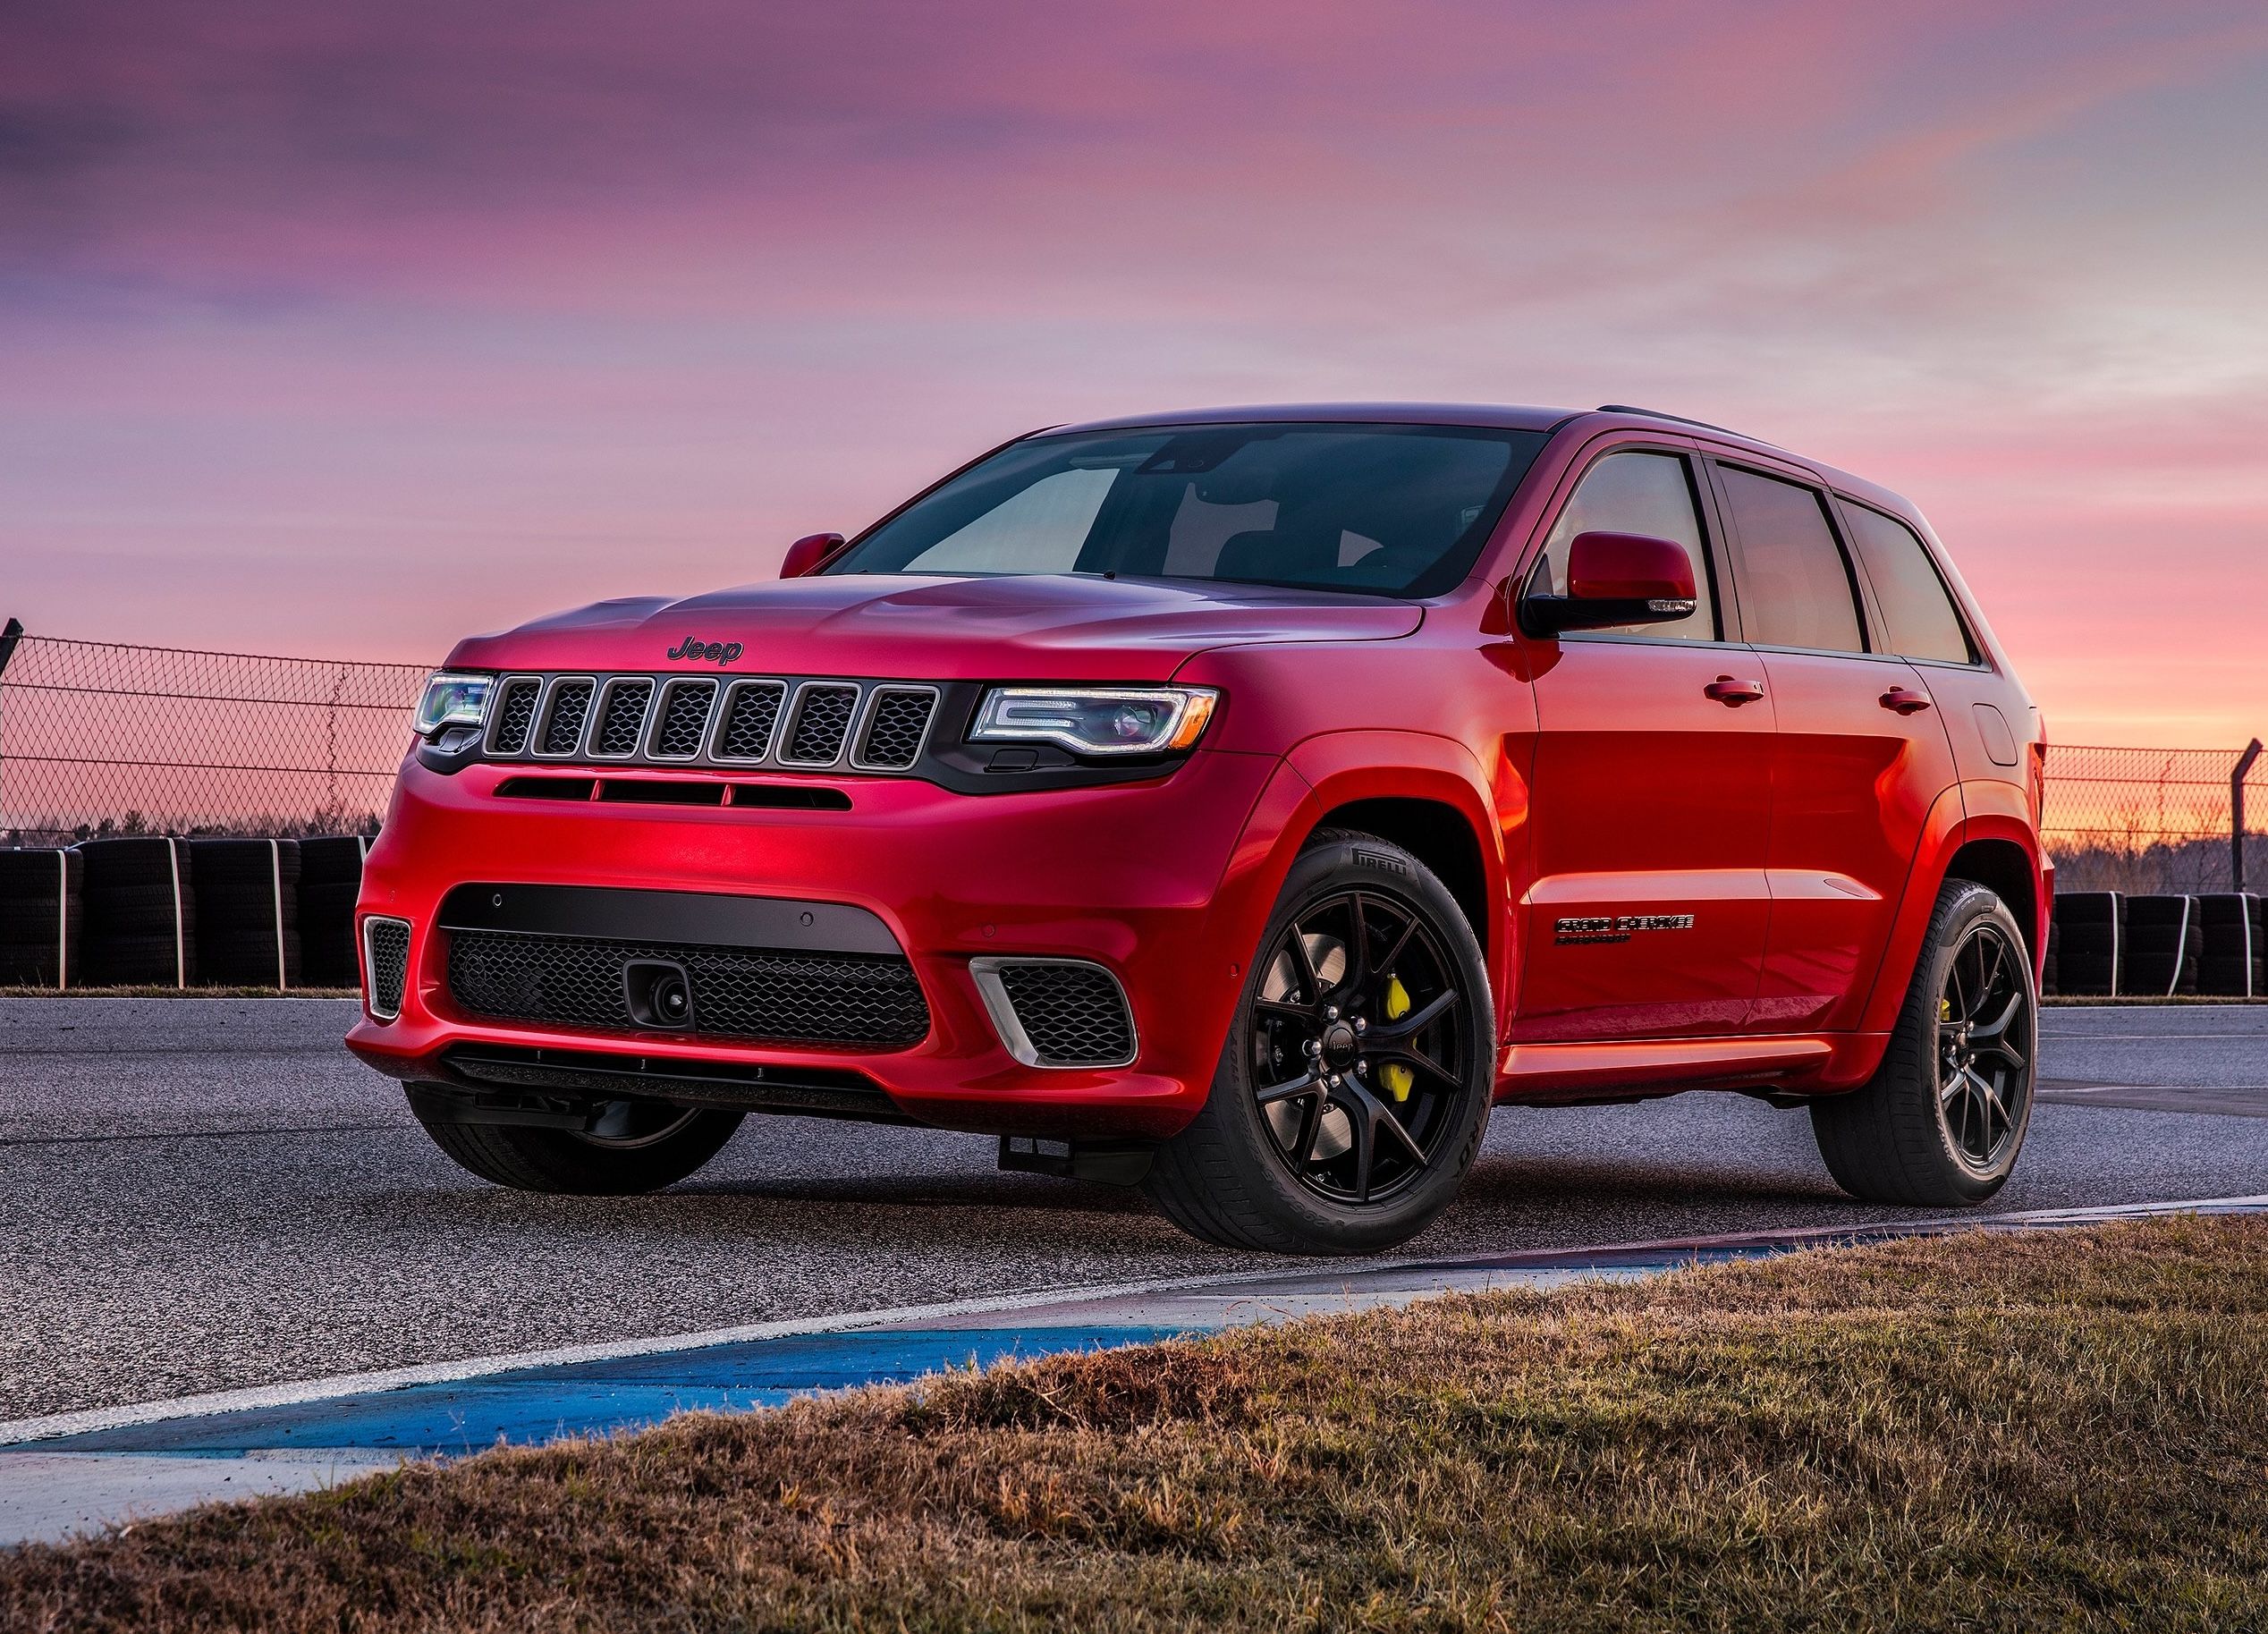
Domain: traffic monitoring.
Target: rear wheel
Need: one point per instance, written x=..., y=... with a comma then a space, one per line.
x=1942, y=1121
x=636, y=1146
x=1355, y=1082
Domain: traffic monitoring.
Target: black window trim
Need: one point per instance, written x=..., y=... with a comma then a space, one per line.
x=1715, y=554
x=1861, y=592
x=1976, y=660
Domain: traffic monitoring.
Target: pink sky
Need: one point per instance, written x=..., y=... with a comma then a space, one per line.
x=349, y=329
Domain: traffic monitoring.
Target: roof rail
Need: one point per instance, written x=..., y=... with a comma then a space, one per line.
x=1682, y=420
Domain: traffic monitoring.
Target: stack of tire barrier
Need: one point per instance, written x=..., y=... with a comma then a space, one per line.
x=42, y=916
x=330, y=878
x=2088, y=935
x=141, y=915
x=248, y=911
x=2164, y=944
x=2235, y=959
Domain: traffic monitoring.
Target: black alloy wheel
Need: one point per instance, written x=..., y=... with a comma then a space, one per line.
x=1984, y=1047
x=1356, y=1052
x=1355, y=1083
x=1942, y=1120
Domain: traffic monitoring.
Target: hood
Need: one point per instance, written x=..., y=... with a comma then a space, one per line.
x=1033, y=627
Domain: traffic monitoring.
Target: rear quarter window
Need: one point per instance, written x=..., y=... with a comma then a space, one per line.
x=1916, y=608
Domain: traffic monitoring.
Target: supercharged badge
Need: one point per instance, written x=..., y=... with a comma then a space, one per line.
x=1616, y=926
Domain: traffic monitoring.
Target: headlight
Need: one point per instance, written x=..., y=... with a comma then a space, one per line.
x=453, y=700
x=1096, y=720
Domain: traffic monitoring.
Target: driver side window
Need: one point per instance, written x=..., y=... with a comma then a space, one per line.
x=1650, y=493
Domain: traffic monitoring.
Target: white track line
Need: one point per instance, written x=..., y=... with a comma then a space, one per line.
x=303, y=1390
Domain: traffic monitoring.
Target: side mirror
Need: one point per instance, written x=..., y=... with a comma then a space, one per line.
x=809, y=554
x=1611, y=578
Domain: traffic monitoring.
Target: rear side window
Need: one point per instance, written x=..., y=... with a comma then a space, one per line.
x=1795, y=589
x=1916, y=607
x=1639, y=492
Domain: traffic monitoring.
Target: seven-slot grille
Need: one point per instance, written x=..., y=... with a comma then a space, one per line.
x=699, y=720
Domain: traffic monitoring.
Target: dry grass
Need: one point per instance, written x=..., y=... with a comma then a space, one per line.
x=2061, y=1431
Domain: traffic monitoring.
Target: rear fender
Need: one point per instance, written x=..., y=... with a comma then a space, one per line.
x=1961, y=815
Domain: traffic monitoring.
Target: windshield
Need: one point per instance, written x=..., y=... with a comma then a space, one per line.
x=1385, y=509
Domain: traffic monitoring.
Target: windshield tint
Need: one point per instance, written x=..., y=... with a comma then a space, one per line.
x=1389, y=510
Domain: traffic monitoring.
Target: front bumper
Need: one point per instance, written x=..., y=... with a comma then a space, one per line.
x=1150, y=880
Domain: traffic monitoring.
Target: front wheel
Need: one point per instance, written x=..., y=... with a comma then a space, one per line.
x=1353, y=1090
x=1939, y=1124
x=635, y=1146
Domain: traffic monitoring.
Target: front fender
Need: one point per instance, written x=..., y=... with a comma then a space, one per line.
x=1334, y=769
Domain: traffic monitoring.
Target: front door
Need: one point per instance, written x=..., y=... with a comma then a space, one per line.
x=1652, y=792
x=1860, y=758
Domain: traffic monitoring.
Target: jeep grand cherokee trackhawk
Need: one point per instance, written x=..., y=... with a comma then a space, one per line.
x=1240, y=803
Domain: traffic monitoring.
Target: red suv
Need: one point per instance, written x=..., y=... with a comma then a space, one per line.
x=1239, y=803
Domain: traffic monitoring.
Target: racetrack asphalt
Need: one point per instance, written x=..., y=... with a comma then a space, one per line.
x=203, y=1194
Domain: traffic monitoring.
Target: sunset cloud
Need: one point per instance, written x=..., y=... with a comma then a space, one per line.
x=312, y=309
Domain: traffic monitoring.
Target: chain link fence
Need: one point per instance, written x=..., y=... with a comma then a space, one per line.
x=2156, y=820
x=98, y=738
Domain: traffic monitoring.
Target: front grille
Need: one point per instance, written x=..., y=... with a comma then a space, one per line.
x=515, y=714
x=621, y=723
x=569, y=708
x=822, y=721
x=685, y=712
x=385, y=955
x=777, y=723
x=1061, y=1012
x=751, y=712
x=861, y=1000
x=895, y=726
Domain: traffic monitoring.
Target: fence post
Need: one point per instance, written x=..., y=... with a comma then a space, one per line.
x=2236, y=815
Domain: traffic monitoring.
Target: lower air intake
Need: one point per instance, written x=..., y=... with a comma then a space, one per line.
x=385, y=959
x=849, y=1000
x=1057, y=1012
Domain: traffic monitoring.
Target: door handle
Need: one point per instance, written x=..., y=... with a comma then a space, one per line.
x=1733, y=692
x=1905, y=700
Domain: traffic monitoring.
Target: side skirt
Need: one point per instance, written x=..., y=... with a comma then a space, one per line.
x=1638, y=1070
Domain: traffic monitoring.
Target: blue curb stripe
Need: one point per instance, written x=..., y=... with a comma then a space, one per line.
x=533, y=1405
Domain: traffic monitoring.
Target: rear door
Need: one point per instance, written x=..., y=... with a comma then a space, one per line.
x=1652, y=797
x=1859, y=756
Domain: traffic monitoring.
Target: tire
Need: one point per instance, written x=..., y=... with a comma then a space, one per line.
x=1278, y=1180
x=327, y=932
x=560, y=1161
x=246, y=891
x=1905, y=1139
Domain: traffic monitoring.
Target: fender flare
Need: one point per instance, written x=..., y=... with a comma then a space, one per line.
x=1950, y=826
x=1333, y=769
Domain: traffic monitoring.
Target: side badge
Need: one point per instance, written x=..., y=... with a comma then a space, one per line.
x=1615, y=928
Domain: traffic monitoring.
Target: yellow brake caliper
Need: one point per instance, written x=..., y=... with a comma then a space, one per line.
x=1397, y=1077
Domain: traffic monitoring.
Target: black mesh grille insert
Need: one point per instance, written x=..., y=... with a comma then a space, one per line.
x=822, y=720
x=386, y=950
x=894, y=730
x=1074, y=1014
x=850, y=999
x=754, y=711
x=685, y=712
x=624, y=720
x=515, y=715
x=570, y=705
